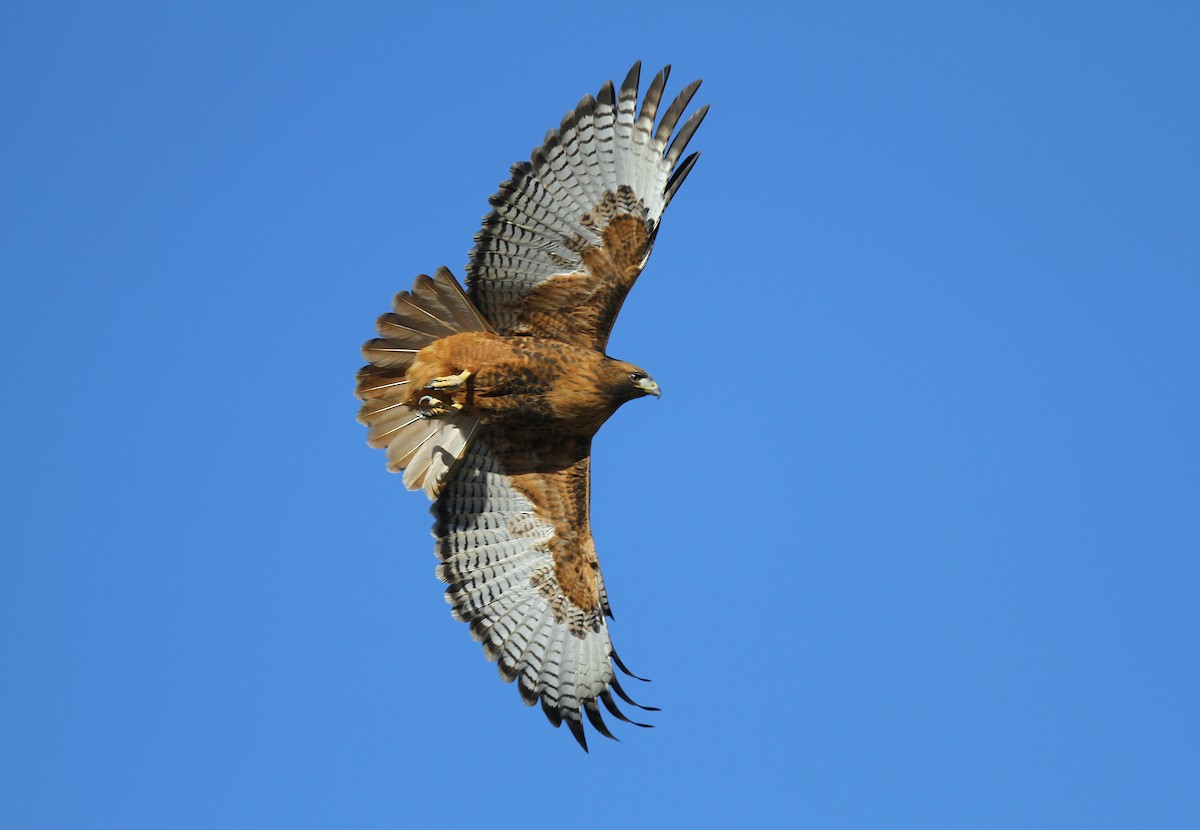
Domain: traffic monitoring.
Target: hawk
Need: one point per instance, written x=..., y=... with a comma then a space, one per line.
x=488, y=399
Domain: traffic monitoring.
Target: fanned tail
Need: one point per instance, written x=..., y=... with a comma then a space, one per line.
x=426, y=449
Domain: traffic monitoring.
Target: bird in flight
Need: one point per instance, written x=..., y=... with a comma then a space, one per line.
x=488, y=399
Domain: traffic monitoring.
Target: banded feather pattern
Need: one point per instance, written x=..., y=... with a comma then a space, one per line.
x=605, y=160
x=495, y=553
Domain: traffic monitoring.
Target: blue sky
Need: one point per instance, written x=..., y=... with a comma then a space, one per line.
x=910, y=539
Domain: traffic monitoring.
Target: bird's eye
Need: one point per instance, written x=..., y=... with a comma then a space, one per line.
x=636, y=376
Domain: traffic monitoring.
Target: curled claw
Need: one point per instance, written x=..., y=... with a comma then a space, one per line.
x=430, y=407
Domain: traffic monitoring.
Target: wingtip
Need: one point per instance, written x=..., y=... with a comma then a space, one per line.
x=593, y=716
x=576, y=726
x=621, y=665
x=614, y=710
x=607, y=94
x=632, y=77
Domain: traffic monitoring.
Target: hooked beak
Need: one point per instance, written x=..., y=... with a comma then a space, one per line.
x=648, y=386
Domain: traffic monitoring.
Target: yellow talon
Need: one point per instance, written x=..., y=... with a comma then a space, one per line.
x=449, y=381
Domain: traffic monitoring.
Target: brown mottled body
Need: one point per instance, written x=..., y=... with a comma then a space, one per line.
x=541, y=401
x=529, y=382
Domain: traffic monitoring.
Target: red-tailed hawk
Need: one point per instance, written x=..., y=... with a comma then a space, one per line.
x=488, y=400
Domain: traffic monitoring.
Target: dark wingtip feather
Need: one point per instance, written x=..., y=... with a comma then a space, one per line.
x=607, y=94
x=621, y=693
x=685, y=135
x=630, y=85
x=585, y=107
x=677, y=178
x=611, y=706
x=576, y=727
x=593, y=715
x=529, y=694
x=621, y=665
x=650, y=102
x=671, y=116
x=506, y=669
x=477, y=627
x=553, y=713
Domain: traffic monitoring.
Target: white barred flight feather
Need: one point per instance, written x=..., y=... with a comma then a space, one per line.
x=475, y=423
x=538, y=225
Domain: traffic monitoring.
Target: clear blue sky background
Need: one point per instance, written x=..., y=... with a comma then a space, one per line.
x=911, y=539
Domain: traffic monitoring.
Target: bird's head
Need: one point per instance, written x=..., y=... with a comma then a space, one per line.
x=629, y=381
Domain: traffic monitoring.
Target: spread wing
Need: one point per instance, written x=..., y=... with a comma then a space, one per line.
x=515, y=547
x=572, y=229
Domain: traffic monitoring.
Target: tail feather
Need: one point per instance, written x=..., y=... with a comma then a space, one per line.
x=449, y=296
x=425, y=449
x=390, y=354
x=385, y=419
x=390, y=327
x=414, y=314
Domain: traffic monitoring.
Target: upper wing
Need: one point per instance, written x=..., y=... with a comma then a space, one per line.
x=573, y=228
x=512, y=533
